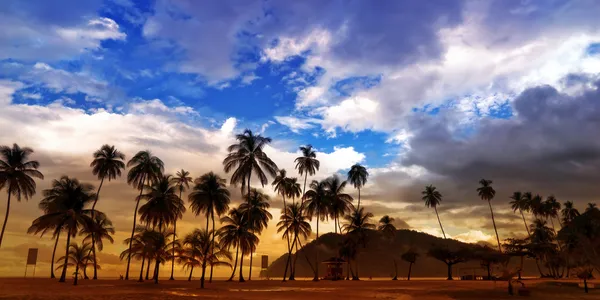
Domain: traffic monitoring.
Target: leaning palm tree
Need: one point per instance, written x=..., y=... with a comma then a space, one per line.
x=209, y=196
x=357, y=225
x=16, y=175
x=256, y=207
x=433, y=198
x=77, y=256
x=107, y=164
x=339, y=202
x=569, y=212
x=101, y=230
x=64, y=207
x=293, y=222
x=486, y=192
x=307, y=164
x=410, y=257
x=520, y=203
x=236, y=232
x=144, y=169
x=386, y=226
x=358, y=177
x=182, y=181
x=316, y=204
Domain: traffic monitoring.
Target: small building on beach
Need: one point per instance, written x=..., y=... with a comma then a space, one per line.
x=334, y=268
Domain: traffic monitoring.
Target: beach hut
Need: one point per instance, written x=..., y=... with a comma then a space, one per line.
x=334, y=268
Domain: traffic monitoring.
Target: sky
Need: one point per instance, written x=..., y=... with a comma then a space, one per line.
x=441, y=92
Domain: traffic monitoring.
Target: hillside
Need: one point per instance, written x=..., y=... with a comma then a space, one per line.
x=377, y=258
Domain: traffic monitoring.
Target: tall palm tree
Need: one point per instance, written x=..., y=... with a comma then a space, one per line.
x=209, y=196
x=281, y=187
x=339, y=202
x=411, y=257
x=486, y=192
x=433, y=198
x=144, y=168
x=520, y=203
x=64, y=207
x=569, y=212
x=307, y=164
x=357, y=225
x=101, y=230
x=256, y=206
x=107, y=164
x=182, y=181
x=77, y=256
x=201, y=247
x=316, y=204
x=16, y=175
x=236, y=232
x=552, y=209
x=358, y=177
x=386, y=226
x=537, y=207
x=293, y=222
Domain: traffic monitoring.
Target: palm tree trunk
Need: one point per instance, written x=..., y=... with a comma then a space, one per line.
x=137, y=203
x=525, y=222
x=93, y=237
x=84, y=272
x=53, y=253
x=249, y=222
x=495, y=229
x=212, y=216
x=395, y=270
x=76, y=273
x=449, y=272
x=156, y=270
x=409, y=270
x=287, y=236
x=237, y=252
x=191, y=271
x=521, y=268
x=304, y=189
x=316, y=278
x=148, y=269
x=241, y=265
x=63, y=276
x=295, y=259
x=438, y=217
x=356, y=262
x=203, y=271
x=142, y=270
x=358, y=206
x=174, y=238
x=5, y=217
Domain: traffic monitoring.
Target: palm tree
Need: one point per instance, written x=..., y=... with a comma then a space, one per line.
x=520, y=203
x=348, y=251
x=281, y=187
x=201, y=248
x=293, y=222
x=552, y=209
x=16, y=175
x=163, y=207
x=307, y=164
x=182, y=181
x=411, y=257
x=140, y=247
x=256, y=206
x=65, y=207
x=209, y=196
x=339, y=202
x=236, y=232
x=537, y=208
x=107, y=164
x=386, y=226
x=102, y=229
x=55, y=236
x=433, y=198
x=591, y=206
x=487, y=193
x=569, y=212
x=77, y=256
x=144, y=169
x=358, y=177
x=357, y=225
x=316, y=204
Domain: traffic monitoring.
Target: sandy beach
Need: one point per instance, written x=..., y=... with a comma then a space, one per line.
x=20, y=288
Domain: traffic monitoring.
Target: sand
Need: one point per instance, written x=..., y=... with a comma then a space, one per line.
x=20, y=288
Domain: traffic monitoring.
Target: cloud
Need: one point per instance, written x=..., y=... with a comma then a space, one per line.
x=7, y=89
x=296, y=124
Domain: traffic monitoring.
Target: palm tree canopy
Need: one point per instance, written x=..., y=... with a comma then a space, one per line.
x=108, y=163
x=307, y=163
x=386, y=225
x=247, y=157
x=280, y=182
x=519, y=202
x=569, y=212
x=182, y=180
x=209, y=195
x=540, y=233
x=199, y=247
x=536, y=204
x=317, y=200
x=339, y=202
x=257, y=205
x=79, y=255
x=102, y=229
x=431, y=196
x=358, y=221
x=551, y=207
x=17, y=172
x=237, y=232
x=410, y=256
x=358, y=175
x=293, y=221
x=591, y=206
x=486, y=191
x=143, y=167
x=163, y=206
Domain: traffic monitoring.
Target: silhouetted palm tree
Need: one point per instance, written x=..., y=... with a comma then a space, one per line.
x=520, y=203
x=64, y=207
x=55, y=236
x=569, y=212
x=358, y=177
x=102, y=229
x=449, y=257
x=293, y=222
x=348, y=251
x=591, y=206
x=536, y=204
x=411, y=257
x=386, y=226
x=339, y=202
x=77, y=256
x=107, y=164
x=200, y=245
x=144, y=168
x=357, y=225
x=140, y=247
x=433, y=198
x=307, y=164
x=182, y=181
x=236, y=232
x=163, y=206
x=256, y=206
x=316, y=204
x=16, y=175
x=209, y=196
x=281, y=187
x=552, y=209
x=487, y=193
